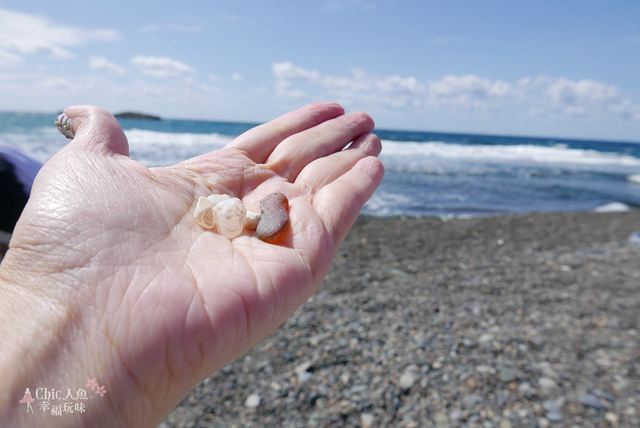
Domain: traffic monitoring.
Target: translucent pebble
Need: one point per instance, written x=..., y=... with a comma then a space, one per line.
x=274, y=222
x=230, y=215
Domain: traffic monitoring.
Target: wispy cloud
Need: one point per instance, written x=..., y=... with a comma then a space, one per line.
x=467, y=92
x=361, y=88
x=102, y=64
x=537, y=96
x=163, y=67
x=547, y=95
x=234, y=77
x=24, y=35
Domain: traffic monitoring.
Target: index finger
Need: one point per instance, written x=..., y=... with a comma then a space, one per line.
x=259, y=142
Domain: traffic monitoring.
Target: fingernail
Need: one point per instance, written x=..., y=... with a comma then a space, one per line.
x=65, y=126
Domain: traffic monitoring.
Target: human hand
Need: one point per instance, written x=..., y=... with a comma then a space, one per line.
x=122, y=284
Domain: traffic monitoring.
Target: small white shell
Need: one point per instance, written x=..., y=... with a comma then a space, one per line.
x=216, y=199
x=203, y=214
x=229, y=216
x=65, y=126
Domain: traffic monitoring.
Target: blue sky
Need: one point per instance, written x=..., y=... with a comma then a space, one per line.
x=543, y=68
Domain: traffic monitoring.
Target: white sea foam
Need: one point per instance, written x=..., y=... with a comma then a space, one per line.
x=154, y=138
x=42, y=142
x=498, y=153
x=424, y=178
x=384, y=203
x=162, y=148
x=613, y=207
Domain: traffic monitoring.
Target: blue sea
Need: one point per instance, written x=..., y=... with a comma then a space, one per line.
x=427, y=174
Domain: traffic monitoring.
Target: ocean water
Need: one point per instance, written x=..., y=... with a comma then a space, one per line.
x=427, y=174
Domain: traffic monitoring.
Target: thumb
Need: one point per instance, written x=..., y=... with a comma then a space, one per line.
x=96, y=130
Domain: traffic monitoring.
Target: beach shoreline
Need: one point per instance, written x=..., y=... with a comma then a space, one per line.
x=518, y=320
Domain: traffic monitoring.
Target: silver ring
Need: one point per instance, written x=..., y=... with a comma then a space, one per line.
x=63, y=123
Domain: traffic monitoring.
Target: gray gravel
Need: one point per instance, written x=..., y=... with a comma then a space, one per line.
x=529, y=320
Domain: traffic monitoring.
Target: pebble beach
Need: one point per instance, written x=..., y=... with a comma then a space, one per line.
x=527, y=320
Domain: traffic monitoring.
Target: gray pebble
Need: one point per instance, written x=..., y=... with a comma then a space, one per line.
x=590, y=400
x=547, y=386
x=472, y=399
x=304, y=376
x=357, y=389
x=252, y=401
x=323, y=390
x=507, y=374
x=604, y=395
x=455, y=415
x=554, y=412
x=409, y=377
x=525, y=389
x=301, y=368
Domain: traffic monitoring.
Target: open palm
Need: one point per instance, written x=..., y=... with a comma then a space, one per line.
x=167, y=300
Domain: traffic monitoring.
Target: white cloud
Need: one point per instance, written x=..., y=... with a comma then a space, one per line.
x=467, y=92
x=359, y=88
x=233, y=78
x=23, y=34
x=287, y=75
x=103, y=64
x=399, y=85
x=549, y=95
x=9, y=59
x=539, y=96
x=535, y=96
x=287, y=71
x=163, y=67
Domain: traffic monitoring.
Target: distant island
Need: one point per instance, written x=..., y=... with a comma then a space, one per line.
x=134, y=115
